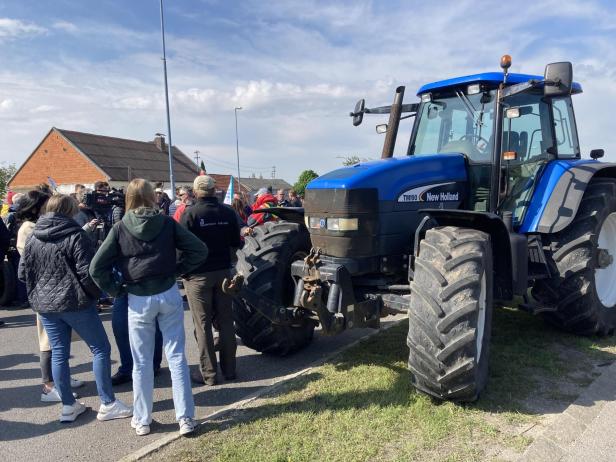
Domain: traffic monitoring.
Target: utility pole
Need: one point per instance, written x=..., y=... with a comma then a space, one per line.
x=273, y=172
x=237, y=150
x=197, y=152
x=162, y=32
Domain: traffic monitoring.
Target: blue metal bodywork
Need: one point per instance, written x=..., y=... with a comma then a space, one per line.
x=544, y=188
x=489, y=78
x=394, y=175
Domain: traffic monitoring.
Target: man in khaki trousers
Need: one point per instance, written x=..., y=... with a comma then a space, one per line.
x=217, y=226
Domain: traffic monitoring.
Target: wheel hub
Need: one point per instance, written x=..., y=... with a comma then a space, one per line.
x=604, y=259
x=605, y=271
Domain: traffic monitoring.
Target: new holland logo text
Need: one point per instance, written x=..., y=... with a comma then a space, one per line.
x=431, y=193
x=442, y=197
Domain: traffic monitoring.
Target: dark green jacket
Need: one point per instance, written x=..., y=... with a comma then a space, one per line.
x=145, y=224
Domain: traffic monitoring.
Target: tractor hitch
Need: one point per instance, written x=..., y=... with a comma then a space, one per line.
x=326, y=288
x=270, y=309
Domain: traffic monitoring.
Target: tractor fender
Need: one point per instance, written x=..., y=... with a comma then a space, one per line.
x=559, y=192
x=505, y=281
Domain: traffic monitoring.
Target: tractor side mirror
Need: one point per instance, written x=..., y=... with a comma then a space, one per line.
x=558, y=79
x=358, y=114
x=518, y=111
x=381, y=128
x=597, y=153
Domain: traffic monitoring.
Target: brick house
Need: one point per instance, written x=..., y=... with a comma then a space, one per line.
x=67, y=158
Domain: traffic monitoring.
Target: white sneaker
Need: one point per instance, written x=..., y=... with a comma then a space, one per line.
x=187, y=425
x=53, y=396
x=76, y=383
x=140, y=429
x=115, y=410
x=70, y=413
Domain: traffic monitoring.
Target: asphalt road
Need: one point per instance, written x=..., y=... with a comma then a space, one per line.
x=30, y=430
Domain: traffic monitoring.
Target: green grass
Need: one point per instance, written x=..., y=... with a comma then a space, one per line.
x=362, y=407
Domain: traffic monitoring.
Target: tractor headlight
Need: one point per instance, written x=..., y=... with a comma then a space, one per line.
x=342, y=224
x=316, y=222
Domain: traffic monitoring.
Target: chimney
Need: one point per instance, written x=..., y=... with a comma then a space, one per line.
x=159, y=141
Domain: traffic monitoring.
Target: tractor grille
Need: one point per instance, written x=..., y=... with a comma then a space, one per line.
x=344, y=203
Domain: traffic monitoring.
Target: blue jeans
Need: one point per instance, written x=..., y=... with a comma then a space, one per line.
x=143, y=312
x=119, y=324
x=90, y=328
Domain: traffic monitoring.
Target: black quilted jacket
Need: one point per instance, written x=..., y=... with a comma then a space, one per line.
x=55, y=264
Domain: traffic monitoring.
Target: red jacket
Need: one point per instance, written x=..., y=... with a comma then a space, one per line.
x=264, y=201
x=179, y=211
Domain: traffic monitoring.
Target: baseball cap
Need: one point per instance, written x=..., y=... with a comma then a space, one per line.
x=204, y=183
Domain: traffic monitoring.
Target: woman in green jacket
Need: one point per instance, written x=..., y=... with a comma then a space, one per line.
x=150, y=250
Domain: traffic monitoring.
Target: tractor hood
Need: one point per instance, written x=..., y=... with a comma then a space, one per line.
x=372, y=209
x=395, y=176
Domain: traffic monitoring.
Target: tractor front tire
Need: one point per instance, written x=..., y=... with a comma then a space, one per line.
x=450, y=316
x=582, y=290
x=265, y=262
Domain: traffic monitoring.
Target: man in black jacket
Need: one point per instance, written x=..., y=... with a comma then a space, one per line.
x=216, y=225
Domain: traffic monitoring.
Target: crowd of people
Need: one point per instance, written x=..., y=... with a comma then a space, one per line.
x=74, y=253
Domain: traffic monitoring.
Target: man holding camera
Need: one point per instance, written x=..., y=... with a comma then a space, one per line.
x=100, y=210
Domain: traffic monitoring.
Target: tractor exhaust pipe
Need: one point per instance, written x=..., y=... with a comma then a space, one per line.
x=392, y=126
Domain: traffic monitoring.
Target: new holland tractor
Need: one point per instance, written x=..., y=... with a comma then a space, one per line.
x=492, y=202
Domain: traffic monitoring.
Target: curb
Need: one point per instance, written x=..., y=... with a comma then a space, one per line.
x=568, y=427
x=273, y=388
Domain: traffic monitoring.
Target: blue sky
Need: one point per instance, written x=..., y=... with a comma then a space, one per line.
x=297, y=68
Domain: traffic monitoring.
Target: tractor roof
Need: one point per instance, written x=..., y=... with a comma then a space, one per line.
x=490, y=78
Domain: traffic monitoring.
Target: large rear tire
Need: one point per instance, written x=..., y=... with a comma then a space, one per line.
x=265, y=262
x=450, y=316
x=583, y=286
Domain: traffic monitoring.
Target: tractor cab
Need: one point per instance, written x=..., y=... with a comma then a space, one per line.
x=460, y=115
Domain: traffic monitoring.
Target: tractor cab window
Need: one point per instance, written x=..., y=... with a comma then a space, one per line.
x=564, y=128
x=527, y=132
x=456, y=123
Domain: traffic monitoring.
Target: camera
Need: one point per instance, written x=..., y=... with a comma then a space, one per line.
x=102, y=202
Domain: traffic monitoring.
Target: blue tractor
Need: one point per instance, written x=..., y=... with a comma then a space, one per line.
x=493, y=201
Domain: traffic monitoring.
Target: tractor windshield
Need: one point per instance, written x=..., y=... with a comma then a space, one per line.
x=457, y=123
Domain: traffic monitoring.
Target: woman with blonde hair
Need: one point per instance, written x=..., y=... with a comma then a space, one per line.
x=55, y=269
x=143, y=247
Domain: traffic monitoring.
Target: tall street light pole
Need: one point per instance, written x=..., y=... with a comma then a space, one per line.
x=162, y=31
x=237, y=150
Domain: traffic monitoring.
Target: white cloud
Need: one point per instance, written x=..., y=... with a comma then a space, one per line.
x=13, y=28
x=6, y=104
x=133, y=102
x=42, y=108
x=65, y=26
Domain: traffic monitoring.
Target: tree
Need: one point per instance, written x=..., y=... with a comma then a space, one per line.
x=202, y=167
x=352, y=160
x=5, y=175
x=305, y=177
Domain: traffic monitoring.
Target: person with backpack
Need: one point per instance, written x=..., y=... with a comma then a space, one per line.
x=142, y=246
